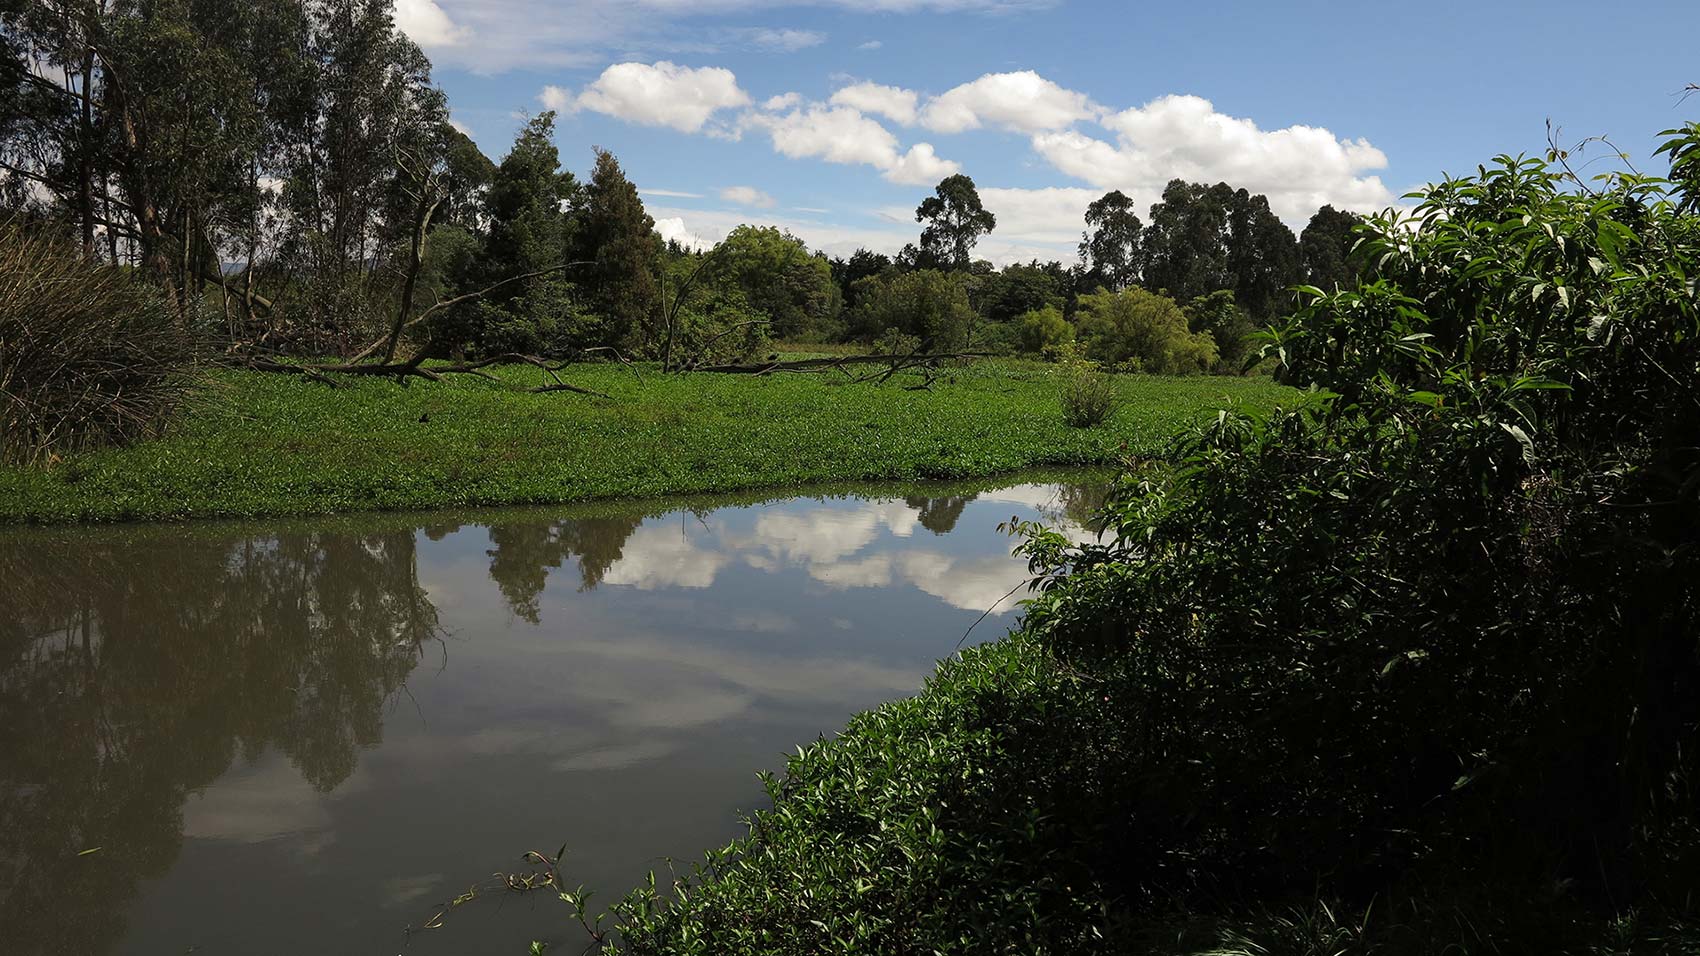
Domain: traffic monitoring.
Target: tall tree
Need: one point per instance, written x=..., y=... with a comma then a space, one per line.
x=1325, y=247
x=616, y=233
x=1206, y=238
x=526, y=208
x=371, y=99
x=1110, y=247
x=1185, y=244
x=1263, y=255
x=955, y=220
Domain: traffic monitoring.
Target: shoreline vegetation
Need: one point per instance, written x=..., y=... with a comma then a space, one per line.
x=253, y=444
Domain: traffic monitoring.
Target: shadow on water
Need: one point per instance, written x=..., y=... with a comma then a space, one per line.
x=141, y=666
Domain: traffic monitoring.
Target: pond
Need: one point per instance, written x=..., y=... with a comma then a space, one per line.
x=306, y=736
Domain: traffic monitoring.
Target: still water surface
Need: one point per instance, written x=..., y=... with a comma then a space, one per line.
x=301, y=737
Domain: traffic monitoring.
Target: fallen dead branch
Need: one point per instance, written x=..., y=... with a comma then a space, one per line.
x=415, y=368
x=894, y=363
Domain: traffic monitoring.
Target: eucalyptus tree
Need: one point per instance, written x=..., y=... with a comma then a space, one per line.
x=1110, y=248
x=956, y=219
x=1185, y=247
x=1202, y=239
x=1325, y=247
x=368, y=102
x=193, y=133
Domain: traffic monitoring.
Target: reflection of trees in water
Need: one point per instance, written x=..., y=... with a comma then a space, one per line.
x=1074, y=503
x=939, y=515
x=1080, y=503
x=524, y=553
x=135, y=669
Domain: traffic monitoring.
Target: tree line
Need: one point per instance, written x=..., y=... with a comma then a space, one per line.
x=287, y=172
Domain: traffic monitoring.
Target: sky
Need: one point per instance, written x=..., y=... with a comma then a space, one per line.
x=833, y=119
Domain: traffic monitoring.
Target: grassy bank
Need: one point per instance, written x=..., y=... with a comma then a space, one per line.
x=257, y=444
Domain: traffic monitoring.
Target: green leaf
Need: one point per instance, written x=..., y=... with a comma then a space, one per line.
x=1523, y=439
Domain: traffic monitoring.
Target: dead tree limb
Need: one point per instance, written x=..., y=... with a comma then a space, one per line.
x=630, y=366
x=372, y=349
x=415, y=368
x=899, y=362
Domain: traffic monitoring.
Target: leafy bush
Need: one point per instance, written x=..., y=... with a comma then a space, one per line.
x=88, y=355
x=1227, y=324
x=1044, y=330
x=996, y=338
x=931, y=306
x=777, y=278
x=1142, y=331
x=1444, y=622
x=1088, y=395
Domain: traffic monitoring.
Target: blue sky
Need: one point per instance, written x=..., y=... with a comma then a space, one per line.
x=834, y=118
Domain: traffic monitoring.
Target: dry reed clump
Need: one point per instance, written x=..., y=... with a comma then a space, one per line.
x=89, y=356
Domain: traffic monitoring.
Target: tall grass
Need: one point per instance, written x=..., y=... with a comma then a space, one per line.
x=89, y=356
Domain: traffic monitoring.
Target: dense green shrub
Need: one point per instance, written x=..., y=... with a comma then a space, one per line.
x=1228, y=325
x=995, y=338
x=1447, y=619
x=775, y=275
x=1088, y=395
x=1143, y=332
x=88, y=355
x=929, y=305
x=1044, y=330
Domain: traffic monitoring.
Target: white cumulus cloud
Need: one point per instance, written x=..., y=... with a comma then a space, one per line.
x=892, y=102
x=655, y=94
x=556, y=98
x=1053, y=214
x=428, y=25
x=673, y=229
x=921, y=166
x=840, y=134
x=1025, y=102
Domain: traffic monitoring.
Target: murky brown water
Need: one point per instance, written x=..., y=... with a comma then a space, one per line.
x=301, y=737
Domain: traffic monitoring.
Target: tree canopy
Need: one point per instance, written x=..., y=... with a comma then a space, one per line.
x=956, y=219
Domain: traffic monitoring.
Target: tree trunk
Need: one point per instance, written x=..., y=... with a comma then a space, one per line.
x=416, y=261
x=85, y=151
